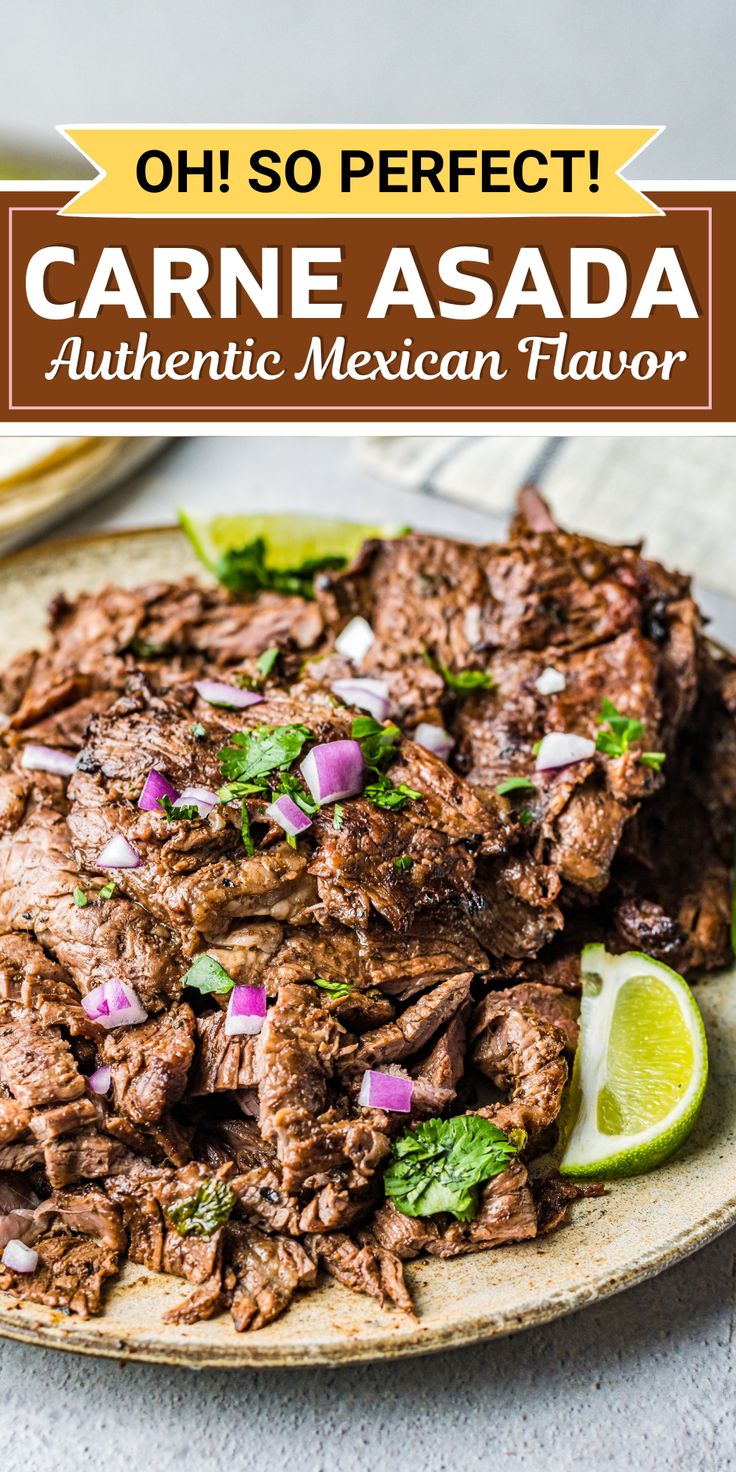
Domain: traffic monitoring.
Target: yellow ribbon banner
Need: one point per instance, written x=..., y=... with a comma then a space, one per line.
x=360, y=171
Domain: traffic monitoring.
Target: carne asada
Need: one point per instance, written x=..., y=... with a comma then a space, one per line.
x=295, y=873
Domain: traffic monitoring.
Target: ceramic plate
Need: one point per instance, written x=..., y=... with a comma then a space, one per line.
x=639, y=1227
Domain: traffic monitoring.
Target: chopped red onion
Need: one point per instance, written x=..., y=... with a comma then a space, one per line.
x=550, y=682
x=113, y=1004
x=154, y=788
x=201, y=798
x=19, y=1258
x=334, y=770
x=48, y=759
x=386, y=1091
x=561, y=749
x=99, y=1081
x=119, y=854
x=229, y=697
x=355, y=640
x=288, y=815
x=434, y=738
x=245, y=1011
x=370, y=695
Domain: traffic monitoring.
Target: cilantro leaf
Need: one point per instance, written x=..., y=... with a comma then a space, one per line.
x=245, y=832
x=377, y=742
x=289, y=786
x=252, y=754
x=622, y=730
x=653, y=759
x=206, y=975
x=177, y=813
x=197, y=731
x=617, y=733
x=463, y=682
x=245, y=570
x=108, y=890
x=515, y=784
x=441, y=1164
x=338, y=816
x=333, y=988
x=202, y=1214
x=525, y=817
x=383, y=794
x=80, y=898
x=267, y=660
x=403, y=863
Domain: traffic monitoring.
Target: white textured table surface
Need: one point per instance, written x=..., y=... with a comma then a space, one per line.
x=643, y=1380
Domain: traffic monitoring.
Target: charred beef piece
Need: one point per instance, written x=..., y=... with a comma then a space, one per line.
x=365, y=1266
x=94, y=943
x=268, y=1271
x=550, y=1004
x=71, y=1273
x=553, y=1197
x=264, y=953
x=416, y=1025
x=150, y=1063
x=523, y=1057
x=221, y=1063
x=36, y=1063
x=84, y=1209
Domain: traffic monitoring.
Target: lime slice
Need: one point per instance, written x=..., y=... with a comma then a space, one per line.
x=640, y=1069
x=290, y=539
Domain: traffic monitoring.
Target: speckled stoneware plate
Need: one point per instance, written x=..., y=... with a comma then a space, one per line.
x=635, y=1230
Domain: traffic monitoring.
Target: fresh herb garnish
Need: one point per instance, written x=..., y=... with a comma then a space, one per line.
x=377, y=742
x=177, y=813
x=202, y=1214
x=515, y=784
x=206, y=975
x=441, y=1164
x=267, y=660
x=80, y=898
x=143, y=650
x=525, y=817
x=245, y=832
x=617, y=733
x=108, y=890
x=653, y=759
x=197, y=731
x=384, y=794
x=338, y=816
x=463, y=682
x=245, y=570
x=378, y=745
x=403, y=863
x=253, y=754
x=289, y=786
x=333, y=988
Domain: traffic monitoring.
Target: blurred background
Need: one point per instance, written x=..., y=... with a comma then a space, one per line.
x=403, y=61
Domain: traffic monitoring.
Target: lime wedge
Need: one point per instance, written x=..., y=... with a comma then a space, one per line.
x=290, y=539
x=640, y=1069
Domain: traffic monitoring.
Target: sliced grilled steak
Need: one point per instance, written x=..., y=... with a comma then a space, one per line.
x=364, y=1266
x=150, y=1063
x=523, y=1057
x=71, y=1273
x=269, y=1270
